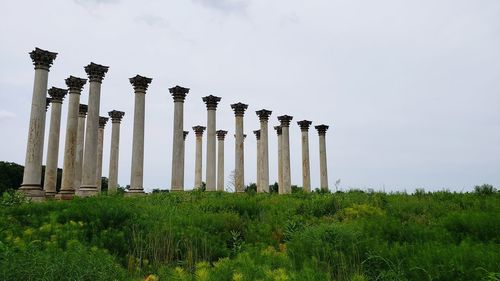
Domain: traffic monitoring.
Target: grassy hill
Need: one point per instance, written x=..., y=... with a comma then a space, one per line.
x=219, y=236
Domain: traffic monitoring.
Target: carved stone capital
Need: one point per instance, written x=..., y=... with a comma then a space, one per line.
x=198, y=130
x=42, y=59
x=304, y=125
x=96, y=72
x=211, y=102
x=103, y=121
x=75, y=84
x=239, y=108
x=257, y=134
x=278, y=130
x=264, y=114
x=221, y=134
x=140, y=83
x=179, y=93
x=47, y=103
x=82, y=110
x=321, y=129
x=57, y=94
x=285, y=120
x=185, y=134
x=116, y=116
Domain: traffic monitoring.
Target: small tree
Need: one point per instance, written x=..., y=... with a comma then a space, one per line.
x=231, y=181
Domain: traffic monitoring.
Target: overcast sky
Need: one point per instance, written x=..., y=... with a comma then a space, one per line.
x=410, y=89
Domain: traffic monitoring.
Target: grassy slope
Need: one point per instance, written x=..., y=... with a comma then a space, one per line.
x=216, y=236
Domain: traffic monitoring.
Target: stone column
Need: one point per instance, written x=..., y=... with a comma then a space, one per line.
x=258, y=180
x=48, y=101
x=32, y=177
x=183, y=154
x=322, y=156
x=221, y=134
x=100, y=147
x=75, y=86
x=80, y=144
x=285, y=145
x=179, y=95
x=49, y=185
x=264, y=148
x=306, y=170
x=96, y=74
x=211, y=102
x=280, y=159
x=140, y=85
x=116, y=118
x=239, y=112
x=198, y=130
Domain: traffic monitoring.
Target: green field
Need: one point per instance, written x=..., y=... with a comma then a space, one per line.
x=219, y=236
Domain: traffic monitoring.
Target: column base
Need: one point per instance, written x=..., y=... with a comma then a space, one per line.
x=177, y=189
x=50, y=194
x=86, y=191
x=65, y=195
x=33, y=191
x=135, y=192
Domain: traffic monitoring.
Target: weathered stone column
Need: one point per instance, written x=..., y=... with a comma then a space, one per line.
x=100, y=147
x=75, y=86
x=183, y=154
x=116, y=118
x=280, y=159
x=221, y=134
x=264, y=148
x=179, y=95
x=49, y=185
x=285, y=143
x=239, y=112
x=96, y=74
x=258, y=179
x=140, y=85
x=198, y=130
x=306, y=170
x=211, y=102
x=322, y=156
x=32, y=177
x=80, y=144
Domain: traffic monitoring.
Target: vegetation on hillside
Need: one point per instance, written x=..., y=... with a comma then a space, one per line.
x=220, y=236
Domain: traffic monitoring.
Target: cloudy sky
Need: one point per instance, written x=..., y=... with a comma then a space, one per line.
x=410, y=89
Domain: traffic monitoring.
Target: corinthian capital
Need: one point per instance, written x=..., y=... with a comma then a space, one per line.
x=75, y=84
x=140, y=83
x=42, y=59
x=57, y=94
x=96, y=72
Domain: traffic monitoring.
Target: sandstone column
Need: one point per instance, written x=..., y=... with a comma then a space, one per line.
x=96, y=74
x=75, y=86
x=306, y=170
x=49, y=185
x=258, y=180
x=116, y=118
x=280, y=159
x=183, y=154
x=285, y=143
x=239, y=112
x=264, y=148
x=100, y=147
x=211, y=102
x=221, y=134
x=179, y=95
x=322, y=156
x=32, y=177
x=80, y=142
x=140, y=85
x=198, y=130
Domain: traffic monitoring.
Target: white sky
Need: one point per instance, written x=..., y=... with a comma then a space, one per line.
x=411, y=89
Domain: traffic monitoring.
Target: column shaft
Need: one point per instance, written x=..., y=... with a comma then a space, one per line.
x=286, y=159
x=239, y=155
x=264, y=156
x=322, y=163
x=280, y=165
x=80, y=145
x=211, y=149
x=114, y=157
x=198, y=162
x=32, y=176
x=52, y=150
x=136, y=178
x=306, y=171
x=100, y=147
x=220, y=165
x=89, y=186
